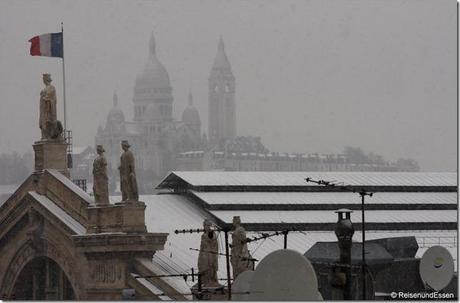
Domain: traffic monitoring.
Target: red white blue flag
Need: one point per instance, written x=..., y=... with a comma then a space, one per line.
x=48, y=45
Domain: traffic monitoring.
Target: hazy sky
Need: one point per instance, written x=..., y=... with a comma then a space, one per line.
x=311, y=76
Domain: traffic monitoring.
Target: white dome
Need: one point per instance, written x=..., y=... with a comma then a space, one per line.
x=154, y=74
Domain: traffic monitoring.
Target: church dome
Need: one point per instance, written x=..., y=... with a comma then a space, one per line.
x=191, y=116
x=154, y=74
x=152, y=113
x=115, y=115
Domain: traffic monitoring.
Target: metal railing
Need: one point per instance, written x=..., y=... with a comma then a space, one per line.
x=80, y=183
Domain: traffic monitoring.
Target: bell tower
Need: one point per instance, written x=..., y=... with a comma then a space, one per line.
x=222, y=111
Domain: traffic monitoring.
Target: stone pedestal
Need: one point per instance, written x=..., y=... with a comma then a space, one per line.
x=121, y=217
x=120, y=245
x=51, y=154
x=218, y=293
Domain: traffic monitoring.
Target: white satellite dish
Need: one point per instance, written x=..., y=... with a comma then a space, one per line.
x=241, y=286
x=284, y=275
x=436, y=268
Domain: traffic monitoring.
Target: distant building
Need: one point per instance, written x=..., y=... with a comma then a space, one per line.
x=82, y=162
x=162, y=144
x=155, y=135
x=221, y=86
x=273, y=161
x=57, y=244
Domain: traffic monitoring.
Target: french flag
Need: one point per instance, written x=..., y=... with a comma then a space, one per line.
x=48, y=45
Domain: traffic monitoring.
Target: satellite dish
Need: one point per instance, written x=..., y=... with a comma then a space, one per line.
x=284, y=275
x=241, y=286
x=436, y=268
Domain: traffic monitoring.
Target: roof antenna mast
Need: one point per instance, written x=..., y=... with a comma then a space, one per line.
x=363, y=194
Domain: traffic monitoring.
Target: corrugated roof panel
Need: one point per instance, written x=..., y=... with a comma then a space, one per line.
x=213, y=178
x=321, y=216
x=177, y=283
x=325, y=197
x=152, y=287
x=165, y=213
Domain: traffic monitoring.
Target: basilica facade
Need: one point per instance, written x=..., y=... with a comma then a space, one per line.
x=156, y=136
x=162, y=143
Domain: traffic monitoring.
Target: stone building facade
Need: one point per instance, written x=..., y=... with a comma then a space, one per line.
x=57, y=244
x=228, y=160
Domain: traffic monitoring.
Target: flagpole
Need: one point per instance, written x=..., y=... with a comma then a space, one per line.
x=63, y=79
x=67, y=134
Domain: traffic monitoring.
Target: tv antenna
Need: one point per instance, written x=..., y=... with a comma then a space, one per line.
x=221, y=254
x=363, y=193
x=264, y=236
x=227, y=253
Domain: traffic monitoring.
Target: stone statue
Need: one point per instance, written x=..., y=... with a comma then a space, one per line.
x=128, y=183
x=50, y=127
x=100, y=179
x=241, y=258
x=207, y=259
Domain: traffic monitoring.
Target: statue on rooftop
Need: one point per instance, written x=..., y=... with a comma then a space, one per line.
x=100, y=179
x=128, y=183
x=207, y=259
x=50, y=127
x=241, y=258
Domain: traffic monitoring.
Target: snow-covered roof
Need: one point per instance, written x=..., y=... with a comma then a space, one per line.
x=328, y=216
x=156, y=290
x=213, y=178
x=59, y=213
x=170, y=212
x=286, y=198
x=166, y=213
x=200, y=195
